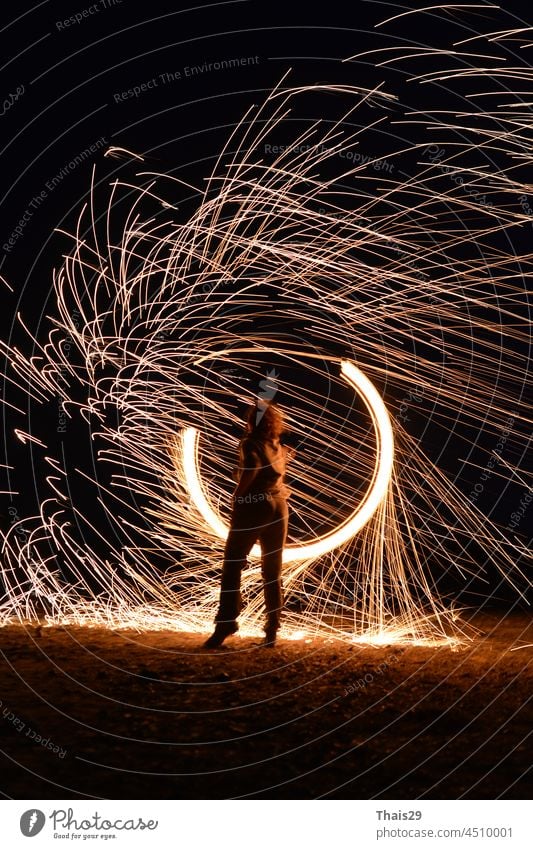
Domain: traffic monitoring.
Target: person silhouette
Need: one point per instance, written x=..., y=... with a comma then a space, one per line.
x=259, y=512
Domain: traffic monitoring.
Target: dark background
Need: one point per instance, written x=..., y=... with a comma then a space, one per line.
x=152, y=715
x=71, y=81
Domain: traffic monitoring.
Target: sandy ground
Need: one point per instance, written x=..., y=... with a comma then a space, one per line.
x=117, y=715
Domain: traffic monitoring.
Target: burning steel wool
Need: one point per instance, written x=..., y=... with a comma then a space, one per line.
x=341, y=289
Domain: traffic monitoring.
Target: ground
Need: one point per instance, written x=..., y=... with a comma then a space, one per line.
x=94, y=713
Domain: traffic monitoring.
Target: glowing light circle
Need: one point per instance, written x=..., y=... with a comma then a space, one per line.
x=364, y=511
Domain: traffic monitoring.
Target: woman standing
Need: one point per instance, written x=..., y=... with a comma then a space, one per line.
x=260, y=512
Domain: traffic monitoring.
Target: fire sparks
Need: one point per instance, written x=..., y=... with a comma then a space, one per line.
x=357, y=290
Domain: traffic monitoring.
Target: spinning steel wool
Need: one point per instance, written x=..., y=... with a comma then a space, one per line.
x=352, y=295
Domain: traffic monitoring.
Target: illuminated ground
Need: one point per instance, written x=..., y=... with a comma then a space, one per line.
x=154, y=716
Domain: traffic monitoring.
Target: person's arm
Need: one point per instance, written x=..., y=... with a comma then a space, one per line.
x=245, y=482
x=248, y=471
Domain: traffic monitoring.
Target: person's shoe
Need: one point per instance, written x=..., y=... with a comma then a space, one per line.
x=270, y=637
x=222, y=630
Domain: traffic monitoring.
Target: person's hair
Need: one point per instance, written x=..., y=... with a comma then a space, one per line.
x=264, y=420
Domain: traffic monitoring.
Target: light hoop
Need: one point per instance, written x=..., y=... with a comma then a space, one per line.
x=373, y=497
x=361, y=515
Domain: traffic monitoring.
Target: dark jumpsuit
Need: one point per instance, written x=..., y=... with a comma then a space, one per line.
x=260, y=514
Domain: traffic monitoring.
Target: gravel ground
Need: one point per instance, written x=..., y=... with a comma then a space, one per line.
x=94, y=713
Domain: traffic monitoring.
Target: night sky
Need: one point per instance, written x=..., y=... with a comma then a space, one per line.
x=170, y=84
x=151, y=714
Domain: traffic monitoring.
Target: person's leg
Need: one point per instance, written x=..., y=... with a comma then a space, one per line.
x=241, y=538
x=239, y=543
x=272, y=538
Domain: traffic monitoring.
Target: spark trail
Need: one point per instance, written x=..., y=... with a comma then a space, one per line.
x=301, y=264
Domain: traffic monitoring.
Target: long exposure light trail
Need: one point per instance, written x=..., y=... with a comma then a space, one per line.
x=378, y=296
x=362, y=513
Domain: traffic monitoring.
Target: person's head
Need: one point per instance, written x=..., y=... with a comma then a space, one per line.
x=264, y=420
